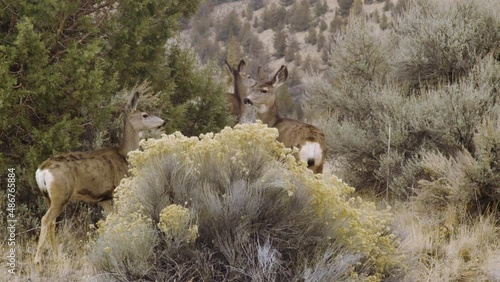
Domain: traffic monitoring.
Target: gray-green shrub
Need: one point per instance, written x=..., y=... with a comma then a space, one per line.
x=237, y=206
x=378, y=133
x=468, y=183
x=442, y=42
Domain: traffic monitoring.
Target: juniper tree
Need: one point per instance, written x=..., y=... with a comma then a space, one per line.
x=320, y=8
x=312, y=36
x=233, y=51
x=273, y=16
x=321, y=41
x=280, y=42
x=62, y=64
x=256, y=4
x=229, y=26
x=336, y=24
x=292, y=48
x=300, y=16
x=383, y=22
x=345, y=6
x=357, y=8
x=287, y=2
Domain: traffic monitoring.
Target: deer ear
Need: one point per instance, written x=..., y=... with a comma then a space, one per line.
x=280, y=76
x=132, y=102
x=262, y=74
x=241, y=65
x=229, y=67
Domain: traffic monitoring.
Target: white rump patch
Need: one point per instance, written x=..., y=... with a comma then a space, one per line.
x=311, y=151
x=44, y=178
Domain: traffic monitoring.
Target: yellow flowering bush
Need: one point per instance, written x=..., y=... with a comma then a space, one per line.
x=175, y=222
x=124, y=241
x=238, y=200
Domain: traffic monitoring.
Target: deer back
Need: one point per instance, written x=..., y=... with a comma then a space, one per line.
x=92, y=175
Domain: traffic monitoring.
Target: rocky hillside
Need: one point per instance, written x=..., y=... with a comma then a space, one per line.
x=298, y=33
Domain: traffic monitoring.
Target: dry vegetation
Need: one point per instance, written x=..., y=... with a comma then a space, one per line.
x=412, y=120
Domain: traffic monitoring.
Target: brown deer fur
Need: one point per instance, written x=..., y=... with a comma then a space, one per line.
x=89, y=176
x=241, y=82
x=309, y=139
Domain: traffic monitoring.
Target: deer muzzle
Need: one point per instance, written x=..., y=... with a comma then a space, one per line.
x=247, y=101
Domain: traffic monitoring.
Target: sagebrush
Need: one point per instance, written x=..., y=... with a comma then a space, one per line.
x=240, y=208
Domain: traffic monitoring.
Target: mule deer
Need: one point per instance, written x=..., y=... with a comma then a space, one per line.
x=241, y=83
x=309, y=139
x=90, y=176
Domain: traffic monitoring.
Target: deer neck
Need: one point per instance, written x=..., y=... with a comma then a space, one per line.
x=239, y=89
x=130, y=141
x=271, y=117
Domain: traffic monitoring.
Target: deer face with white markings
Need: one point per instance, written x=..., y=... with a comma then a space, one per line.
x=89, y=176
x=241, y=83
x=262, y=95
x=309, y=139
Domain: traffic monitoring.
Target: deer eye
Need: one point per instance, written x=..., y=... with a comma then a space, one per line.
x=144, y=115
x=263, y=91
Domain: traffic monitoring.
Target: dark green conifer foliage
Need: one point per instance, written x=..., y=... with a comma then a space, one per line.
x=287, y=2
x=279, y=42
x=300, y=16
x=312, y=36
x=63, y=61
x=273, y=16
x=228, y=27
x=345, y=6
x=292, y=48
x=256, y=4
x=320, y=8
x=336, y=24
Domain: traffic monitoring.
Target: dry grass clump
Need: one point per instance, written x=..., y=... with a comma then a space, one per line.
x=237, y=206
x=70, y=264
x=435, y=253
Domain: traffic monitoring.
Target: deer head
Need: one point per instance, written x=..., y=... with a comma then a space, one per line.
x=263, y=94
x=241, y=82
x=240, y=76
x=90, y=176
x=136, y=122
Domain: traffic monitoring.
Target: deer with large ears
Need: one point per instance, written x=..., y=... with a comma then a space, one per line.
x=309, y=139
x=241, y=82
x=89, y=176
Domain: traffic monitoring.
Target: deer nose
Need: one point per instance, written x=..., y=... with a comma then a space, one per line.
x=247, y=101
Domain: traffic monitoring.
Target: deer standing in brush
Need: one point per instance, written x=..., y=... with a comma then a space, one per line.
x=309, y=139
x=90, y=176
x=241, y=82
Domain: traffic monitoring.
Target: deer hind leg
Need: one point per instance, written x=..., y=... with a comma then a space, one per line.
x=48, y=226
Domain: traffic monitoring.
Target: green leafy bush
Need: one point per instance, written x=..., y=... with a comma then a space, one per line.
x=240, y=207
